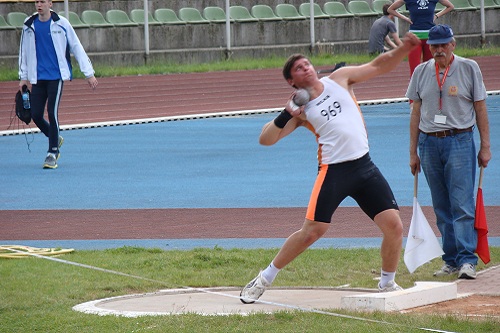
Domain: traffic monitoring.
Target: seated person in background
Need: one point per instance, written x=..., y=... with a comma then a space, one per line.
x=380, y=41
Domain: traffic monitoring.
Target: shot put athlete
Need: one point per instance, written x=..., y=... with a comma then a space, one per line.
x=345, y=167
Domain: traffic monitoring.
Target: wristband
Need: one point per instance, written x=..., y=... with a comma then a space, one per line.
x=281, y=120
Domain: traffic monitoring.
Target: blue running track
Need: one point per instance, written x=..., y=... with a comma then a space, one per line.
x=204, y=163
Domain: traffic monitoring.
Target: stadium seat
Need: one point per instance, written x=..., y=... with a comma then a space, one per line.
x=167, y=16
x=137, y=16
x=4, y=25
x=264, y=13
x=215, y=15
x=119, y=18
x=74, y=19
x=191, y=15
x=462, y=5
x=288, y=12
x=241, y=14
x=305, y=10
x=360, y=8
x=94, y=19
x=378, y=4
x=336, y=9
x=16, y=19
x=487, y=4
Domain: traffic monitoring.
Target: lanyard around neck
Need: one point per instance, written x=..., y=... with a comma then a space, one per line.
x=441, y=82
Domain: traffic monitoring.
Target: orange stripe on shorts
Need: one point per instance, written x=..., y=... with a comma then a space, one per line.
x=318, y=184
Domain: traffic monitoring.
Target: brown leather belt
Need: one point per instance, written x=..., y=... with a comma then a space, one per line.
x=450, y=132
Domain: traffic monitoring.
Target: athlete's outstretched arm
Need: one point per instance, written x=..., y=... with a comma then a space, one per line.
x=382, y=64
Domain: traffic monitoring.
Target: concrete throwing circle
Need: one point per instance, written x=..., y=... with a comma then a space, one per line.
x=216, y=301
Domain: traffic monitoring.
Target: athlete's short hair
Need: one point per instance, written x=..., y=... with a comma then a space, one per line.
x=287, y=68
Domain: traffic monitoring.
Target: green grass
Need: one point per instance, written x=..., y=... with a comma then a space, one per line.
x=324, y=59
x=37, y=295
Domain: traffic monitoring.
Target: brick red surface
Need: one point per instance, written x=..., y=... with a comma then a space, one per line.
x=347, y=222
x=121, y=98
x=132, y=97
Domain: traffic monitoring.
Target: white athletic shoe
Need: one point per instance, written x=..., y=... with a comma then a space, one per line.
x=254, y=289
x=446, y=270
x=390, y=286
x=51, y=161
x=467, y=271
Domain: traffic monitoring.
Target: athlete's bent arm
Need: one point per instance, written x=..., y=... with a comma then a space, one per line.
x=448, y=8
x=393, y=10
x=271, y=133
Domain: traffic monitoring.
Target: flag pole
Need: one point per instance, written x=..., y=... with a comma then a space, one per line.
x=415, y=184
x=481, y=169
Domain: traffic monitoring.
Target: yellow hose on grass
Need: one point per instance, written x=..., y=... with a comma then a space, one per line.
x=21, y=251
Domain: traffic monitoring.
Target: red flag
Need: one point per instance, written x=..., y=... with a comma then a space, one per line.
x=482, y=249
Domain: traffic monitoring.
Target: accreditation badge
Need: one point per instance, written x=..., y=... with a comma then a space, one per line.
x=440, y=119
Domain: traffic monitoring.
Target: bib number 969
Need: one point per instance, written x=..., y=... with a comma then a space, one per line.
x=333, y=110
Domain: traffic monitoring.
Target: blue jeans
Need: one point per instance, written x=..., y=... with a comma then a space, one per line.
x=449, y=165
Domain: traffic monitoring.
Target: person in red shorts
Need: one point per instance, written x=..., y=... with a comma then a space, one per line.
x=422, y=19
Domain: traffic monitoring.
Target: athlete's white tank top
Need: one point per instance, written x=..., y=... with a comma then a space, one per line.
x=336, y=120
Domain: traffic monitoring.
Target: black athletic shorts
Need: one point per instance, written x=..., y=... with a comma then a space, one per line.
x=359, y=179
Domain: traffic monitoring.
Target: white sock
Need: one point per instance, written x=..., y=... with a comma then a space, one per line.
x=270, y=273
x=386, y=277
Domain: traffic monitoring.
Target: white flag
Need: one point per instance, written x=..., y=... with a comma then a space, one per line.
x=422, y=245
